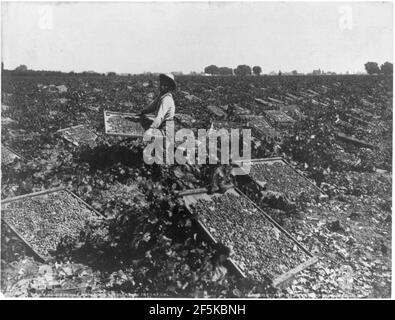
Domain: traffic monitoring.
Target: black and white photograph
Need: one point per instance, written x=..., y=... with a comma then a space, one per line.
x=196, y=150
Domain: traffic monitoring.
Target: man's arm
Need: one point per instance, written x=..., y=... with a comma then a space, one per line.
x=164, y=110
x=150, y=108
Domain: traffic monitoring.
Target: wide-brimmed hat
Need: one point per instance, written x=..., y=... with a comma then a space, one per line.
x=168, y=78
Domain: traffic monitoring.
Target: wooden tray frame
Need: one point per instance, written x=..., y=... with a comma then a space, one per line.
x=73, y=127
x=279, y=281
x=261, y=131
x=124, y=114
x=41, y=257
x=294, y=97
x=355, y=141
x=273, y=100
x=289, y=122
x=263, y=102
x=19, y=156
x=217, y=125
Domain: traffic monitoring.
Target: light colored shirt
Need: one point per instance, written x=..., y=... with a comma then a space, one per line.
x=164, y=109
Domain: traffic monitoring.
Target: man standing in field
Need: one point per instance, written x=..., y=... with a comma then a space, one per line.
x=163, y=106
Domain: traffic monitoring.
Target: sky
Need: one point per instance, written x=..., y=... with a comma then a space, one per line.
x=187, y=36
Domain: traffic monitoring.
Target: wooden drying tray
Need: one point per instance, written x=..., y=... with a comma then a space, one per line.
x=191, y=196
x=313, y=92
x=306, y=94
x=40, y=193
x=60, y=131
x=293, y=96
x=275, y=100
x=19, y=156
x=275, y=115
x=264, y=102
x=364, y=122
x=107, y=114
x=228, y=125
x=281, y=160
x=261, y=125
x=355, y=141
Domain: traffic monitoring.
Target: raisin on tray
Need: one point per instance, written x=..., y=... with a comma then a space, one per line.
x=44, y=220
x=118, y=124
x=280, y=177
x=259, y=248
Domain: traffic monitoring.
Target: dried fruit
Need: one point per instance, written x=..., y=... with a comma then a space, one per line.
x=125, y=124
x=259, y=249
x=45, y=219
x=279, y=177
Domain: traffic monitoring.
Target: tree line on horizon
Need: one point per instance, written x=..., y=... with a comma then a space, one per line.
x=244, y=70
x=372, y=68
x=241, y=70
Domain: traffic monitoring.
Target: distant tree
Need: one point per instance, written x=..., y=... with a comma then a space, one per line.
x=294, y=72
x=257, y=70
x=212, y=69
x=111, y=74
x=387, y=68
x=372, y=68
x=22, y=67
x=317, y=72
x=225, y=71
x=242, y=70
x=91, y=72
x=280, y=73
x=2, y=66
